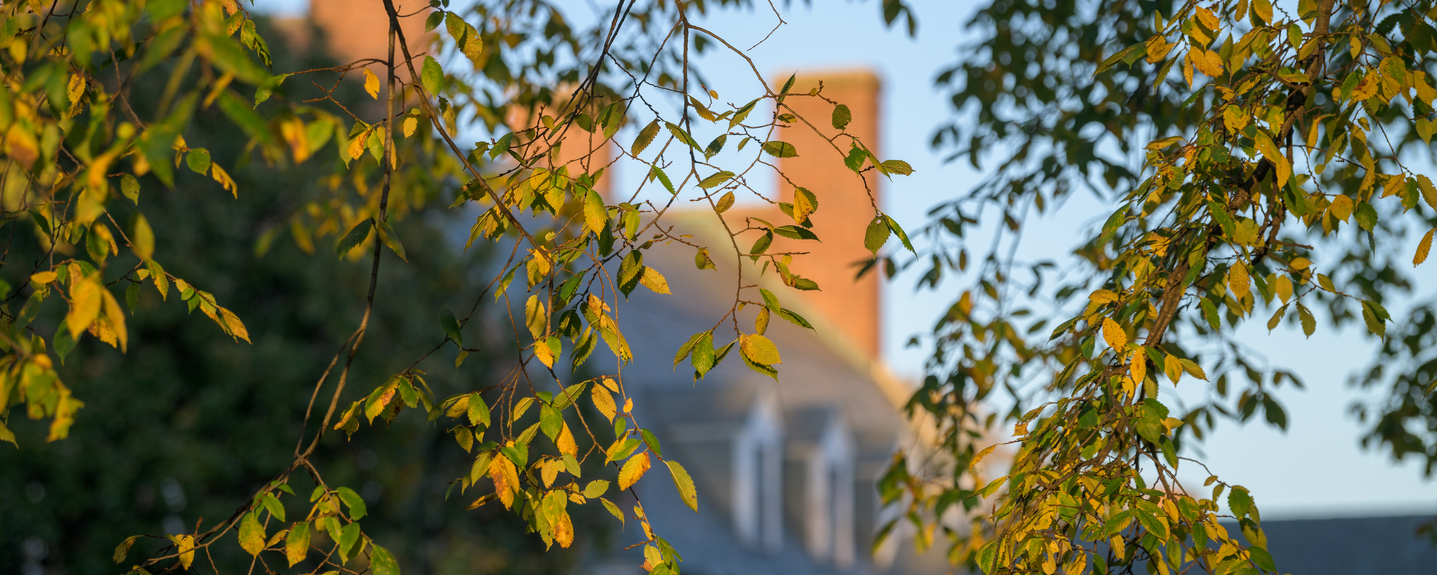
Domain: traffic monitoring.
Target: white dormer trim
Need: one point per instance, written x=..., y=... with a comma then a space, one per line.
x=757, y=475
x=824, y=467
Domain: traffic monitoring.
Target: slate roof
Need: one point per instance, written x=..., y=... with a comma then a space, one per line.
x=1351, y=546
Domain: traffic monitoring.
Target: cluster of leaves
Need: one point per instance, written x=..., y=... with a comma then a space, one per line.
x=1266, y=139
x=75, y=133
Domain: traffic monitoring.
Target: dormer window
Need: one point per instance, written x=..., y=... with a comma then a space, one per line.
x=757, y=476
x=818, y=470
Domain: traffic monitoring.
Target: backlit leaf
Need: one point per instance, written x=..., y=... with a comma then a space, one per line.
x=685, y=485
x=633, y=470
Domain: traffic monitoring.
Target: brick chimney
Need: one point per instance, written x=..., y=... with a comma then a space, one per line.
x=844, y=206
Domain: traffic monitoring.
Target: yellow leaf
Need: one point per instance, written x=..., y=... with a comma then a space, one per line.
x=1209, y=63
x=685, y=485
x=981, y=455
x=1238, y=280
x=654, y=280
x=410, y=124
x=1208, y=19
x=233, y=325
x=1114, y=335
x=356, y=146
x=116, y=317
x=1103, y=296
x=1173, y=368
x=506, y=478
x=564, y=530
x=371, y=83
x=185, y=545
x=604, y=401
x=633, y=470
x=1284, y=286
x=1299, y=264
x=1263, y=9
x=1341, y=207
x=1138, y=366
x=1422, y=248
x=759, y=349
x=566, y=443
x=85, y=302
x=42, y=278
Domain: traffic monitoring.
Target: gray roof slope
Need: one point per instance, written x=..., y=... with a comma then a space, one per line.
x=813, y=373
x=1350, y=546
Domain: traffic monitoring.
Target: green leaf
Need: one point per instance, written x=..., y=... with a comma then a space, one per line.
x=652, y=442
x=779, y=149
x=703, y=354
x=687, y=348
x=841, y=116
x=902, y=236
x=551, y=422
x=646, y=137
x=663, y=179
x=1262, y=559
x=703, y=261
x=685, y=485
x=876, y=235
x=130, y=187
x=354, y=502
x=273, y=506
x=356, y=236
x=596, y=488
x=1239, y=502
x=391, y=239
x=613, y=509
x=381, y=561
x=450, y=325
x=198, y=160
x=431, y=76
x=478, y=412
x=348, y=542
x=716, y=179
x=596, y=214
x=899, y=167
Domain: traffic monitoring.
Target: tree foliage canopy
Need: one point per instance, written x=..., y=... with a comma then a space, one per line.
x=1254, y=157
x=1235, y=140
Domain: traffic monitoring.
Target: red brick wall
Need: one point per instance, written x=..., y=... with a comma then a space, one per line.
x=357, y=29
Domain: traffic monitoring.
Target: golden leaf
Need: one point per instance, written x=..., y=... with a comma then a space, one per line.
x=566, y=443
x=506, y=479
x=1114, y=335
x=233, y=325
x=1423, y=248
x=654, y=280
x=1138, y=366
x=564, y=530
x=633, y=470
x=1102, y=296
x=604, y=401
x=371, y=83
x=1238, y=280
x=1173, y=368
x=85, y=302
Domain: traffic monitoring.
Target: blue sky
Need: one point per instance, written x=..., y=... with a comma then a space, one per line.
x=1316, y=469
